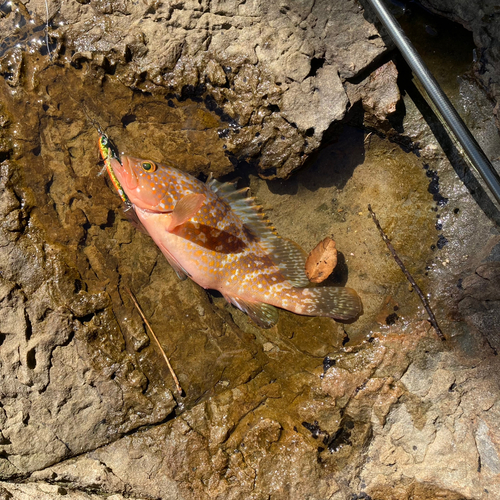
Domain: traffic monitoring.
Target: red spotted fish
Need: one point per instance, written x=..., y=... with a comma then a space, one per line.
x=217, y=236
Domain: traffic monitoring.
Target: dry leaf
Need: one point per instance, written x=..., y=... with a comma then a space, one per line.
x=321, y=261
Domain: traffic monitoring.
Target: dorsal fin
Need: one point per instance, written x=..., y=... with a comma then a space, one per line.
x=286, y=254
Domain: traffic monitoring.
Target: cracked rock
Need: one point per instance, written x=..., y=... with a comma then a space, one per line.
x=245, y=59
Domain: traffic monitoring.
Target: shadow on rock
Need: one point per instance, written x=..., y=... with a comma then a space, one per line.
x=333, y=166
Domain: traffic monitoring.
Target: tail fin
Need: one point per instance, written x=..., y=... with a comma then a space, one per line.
x=333, y=302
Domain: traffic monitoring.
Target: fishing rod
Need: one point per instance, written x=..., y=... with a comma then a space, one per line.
x=449, y=115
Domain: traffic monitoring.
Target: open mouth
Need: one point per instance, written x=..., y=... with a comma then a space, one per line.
x=156, y=212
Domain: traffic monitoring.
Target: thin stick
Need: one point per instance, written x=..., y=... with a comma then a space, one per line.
x=176, y=380
x=409, y=277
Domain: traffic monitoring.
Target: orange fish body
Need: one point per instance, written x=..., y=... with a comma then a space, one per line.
x=214, y=234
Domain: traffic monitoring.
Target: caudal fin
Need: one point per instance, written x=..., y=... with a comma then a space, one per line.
x=333, y=302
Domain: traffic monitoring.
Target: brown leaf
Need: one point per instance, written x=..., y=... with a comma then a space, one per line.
x=321, y=261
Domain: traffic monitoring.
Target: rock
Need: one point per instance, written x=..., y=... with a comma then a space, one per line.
x=479, y=18
x=47, y=491
x=323, y=92
x=378, y=94
x=311, y=408
x=228, y=446
x=487, y=444
x=421, y=434
x=197, y=462
x=479, y=302
x=228, y=56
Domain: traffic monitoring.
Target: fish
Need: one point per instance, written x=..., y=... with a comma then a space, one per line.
x=218, y=236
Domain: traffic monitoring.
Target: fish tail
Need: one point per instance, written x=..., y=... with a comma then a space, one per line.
x=333, y=302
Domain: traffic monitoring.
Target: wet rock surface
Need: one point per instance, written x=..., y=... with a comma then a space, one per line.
x=481, y=19
x=274, y=72
x=378, y=408
x=479, y=302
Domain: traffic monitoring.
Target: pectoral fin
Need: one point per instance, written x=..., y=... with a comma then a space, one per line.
x=179, y=270
x=264, y=315
x=182, y=274
x=186, y=208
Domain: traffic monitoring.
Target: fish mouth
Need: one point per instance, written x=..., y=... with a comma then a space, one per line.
x=152, y=211
x=125, y=173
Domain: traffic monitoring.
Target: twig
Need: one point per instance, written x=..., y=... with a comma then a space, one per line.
x=409, y=277
x=176, y=380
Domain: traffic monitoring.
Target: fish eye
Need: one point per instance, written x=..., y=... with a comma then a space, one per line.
x=149, y=166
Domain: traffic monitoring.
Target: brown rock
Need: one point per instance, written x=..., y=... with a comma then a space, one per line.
x=479, y=302
x=379, y=95
x=86, y=409
x=300, y=54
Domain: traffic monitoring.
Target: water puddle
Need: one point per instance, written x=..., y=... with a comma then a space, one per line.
x=446, y=47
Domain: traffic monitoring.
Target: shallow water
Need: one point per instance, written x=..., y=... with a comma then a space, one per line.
x=75, y=207
x=71, y=223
